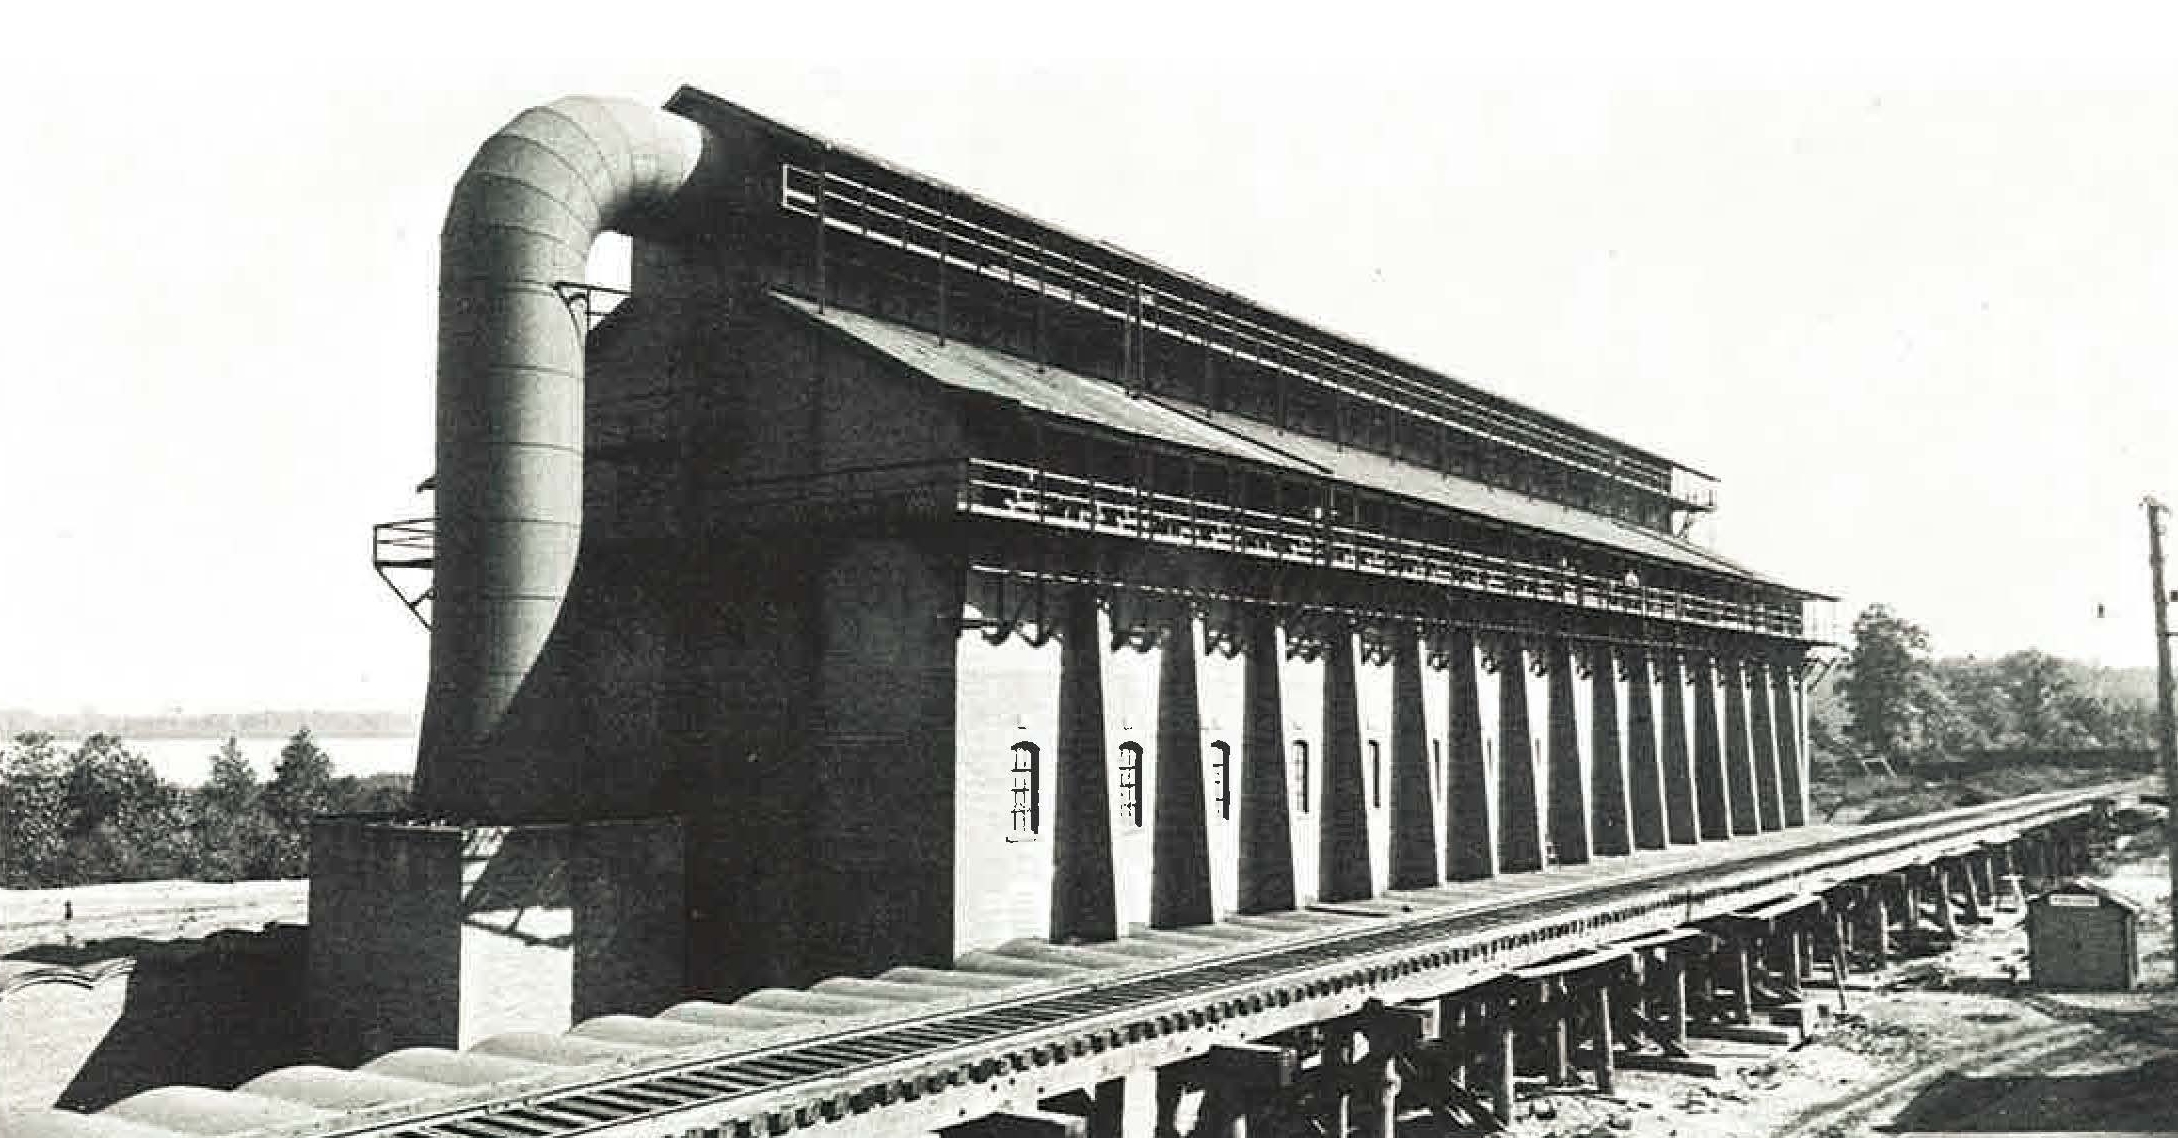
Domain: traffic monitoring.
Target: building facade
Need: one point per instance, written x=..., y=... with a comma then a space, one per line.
x=961, y=580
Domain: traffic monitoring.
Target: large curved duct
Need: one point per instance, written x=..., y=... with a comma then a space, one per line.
x=510, y=421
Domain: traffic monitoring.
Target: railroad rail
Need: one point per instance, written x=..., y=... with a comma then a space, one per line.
x=903, y=1072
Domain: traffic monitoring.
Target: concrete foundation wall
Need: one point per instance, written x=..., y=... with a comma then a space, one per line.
x=442, y=936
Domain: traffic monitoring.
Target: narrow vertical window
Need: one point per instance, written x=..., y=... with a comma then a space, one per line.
x=1130, y=783
x=1436, y=765
x=1300, y=774
x=1027, y=801
x=1221, y=780
x=1376, y=774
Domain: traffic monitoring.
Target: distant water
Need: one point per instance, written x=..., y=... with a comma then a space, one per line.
x=188, y=761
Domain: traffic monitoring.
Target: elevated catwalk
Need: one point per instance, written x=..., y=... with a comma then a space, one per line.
x=1007, y=1032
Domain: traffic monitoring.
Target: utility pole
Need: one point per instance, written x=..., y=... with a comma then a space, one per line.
x=2166, y=730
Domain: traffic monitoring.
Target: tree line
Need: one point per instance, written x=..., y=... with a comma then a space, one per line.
x=99, y=812
x=1892, y=699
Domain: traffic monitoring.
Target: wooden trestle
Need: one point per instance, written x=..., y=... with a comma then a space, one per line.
x=1439, y=1003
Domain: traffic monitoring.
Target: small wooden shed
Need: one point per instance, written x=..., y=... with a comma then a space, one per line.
x=2080, y=935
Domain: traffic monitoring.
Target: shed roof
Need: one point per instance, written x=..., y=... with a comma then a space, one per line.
x=1071, y=395
x=2080, y=885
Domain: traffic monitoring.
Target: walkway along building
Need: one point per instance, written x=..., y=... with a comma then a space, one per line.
x=953, y=580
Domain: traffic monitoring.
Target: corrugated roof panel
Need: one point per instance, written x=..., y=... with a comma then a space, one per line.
x=202, y=1110
x=48, y=1123
x=556, y=1050
x=330, y=1088
x=1052, y=391
x=453, y=1068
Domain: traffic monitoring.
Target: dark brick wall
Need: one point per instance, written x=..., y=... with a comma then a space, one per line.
x=385, y=912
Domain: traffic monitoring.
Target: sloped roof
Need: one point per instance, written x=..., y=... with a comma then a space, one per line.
x=2079, y=886
x=715, y=110
x=1071, y=395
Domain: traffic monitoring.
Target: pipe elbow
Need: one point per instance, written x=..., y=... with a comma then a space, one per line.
x=521, y=221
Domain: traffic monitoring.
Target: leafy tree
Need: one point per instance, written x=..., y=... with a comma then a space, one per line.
x=1978, y=713
x=122, y=823
x=301, y=789
x=2036, y=685
x=233, y=834
x=1888, y=686
x=383, y=793
x=33, y=815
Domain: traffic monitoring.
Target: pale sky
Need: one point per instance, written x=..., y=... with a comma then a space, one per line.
x=1904, y=281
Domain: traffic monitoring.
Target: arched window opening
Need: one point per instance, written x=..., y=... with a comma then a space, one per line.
x=1027, y=788
x=1130, y=783
x=1221, y=780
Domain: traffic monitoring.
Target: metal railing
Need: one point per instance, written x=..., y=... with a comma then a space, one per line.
x=998, y=489
x=402, y=550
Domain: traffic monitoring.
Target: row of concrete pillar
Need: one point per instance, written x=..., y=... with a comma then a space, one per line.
x=1707, y=747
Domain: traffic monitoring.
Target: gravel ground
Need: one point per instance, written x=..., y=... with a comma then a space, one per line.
x=1952, y=1042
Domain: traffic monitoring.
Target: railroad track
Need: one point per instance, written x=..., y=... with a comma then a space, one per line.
x=914, y=1073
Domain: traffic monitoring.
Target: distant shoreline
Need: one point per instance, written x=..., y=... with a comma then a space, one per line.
x=248, y=724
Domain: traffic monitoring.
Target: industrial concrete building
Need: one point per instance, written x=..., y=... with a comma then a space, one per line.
x=952, y=579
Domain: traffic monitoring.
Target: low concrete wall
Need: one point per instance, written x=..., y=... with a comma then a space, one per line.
x=444, y=935
x=85, y=1027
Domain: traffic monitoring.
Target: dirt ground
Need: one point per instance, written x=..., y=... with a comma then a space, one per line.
x=83, y=916
x=1959, y=1041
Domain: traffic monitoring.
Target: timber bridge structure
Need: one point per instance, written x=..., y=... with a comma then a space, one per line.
x=1313, y=1021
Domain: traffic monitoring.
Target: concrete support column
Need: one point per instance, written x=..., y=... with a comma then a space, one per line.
x=1739, y=768
x=1387, y=1101
x=1569, y=837
x=1125, y=1107
x=1266, y=825
x=1791, y=742
x=1180, y=833
x=1794, y=975
x=1709, y=778
x=1606, y=1040
x=1413, y=806
x=1338, y=1059
x=1452, y=1034
x=1675, y=999
x=1519, y=821
x=1769, y=780
x=1742, y=981
x=1502, y=1067
x=1610, y=813
x=1682, y=811
x=1342, y=836
x=1084, y=902
x=1559, y=1041
x=1470, y=841
x=1644, y=761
